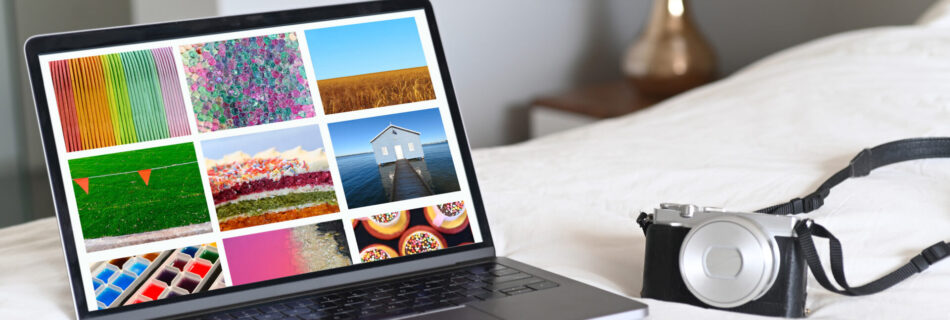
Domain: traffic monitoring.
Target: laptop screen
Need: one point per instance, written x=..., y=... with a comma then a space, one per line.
x=221, y=160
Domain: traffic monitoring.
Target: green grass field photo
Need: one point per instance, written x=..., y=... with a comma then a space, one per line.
x=121, y=209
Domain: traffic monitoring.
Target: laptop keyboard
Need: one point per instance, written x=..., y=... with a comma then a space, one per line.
x=399, y=297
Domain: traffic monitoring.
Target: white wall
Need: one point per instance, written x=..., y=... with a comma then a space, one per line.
x=501, y=53
x=504, y=53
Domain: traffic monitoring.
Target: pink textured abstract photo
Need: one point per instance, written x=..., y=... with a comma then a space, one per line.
x=246, y=82
x=287, y=252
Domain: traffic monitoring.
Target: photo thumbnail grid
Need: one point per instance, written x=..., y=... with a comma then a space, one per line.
x=161, y=180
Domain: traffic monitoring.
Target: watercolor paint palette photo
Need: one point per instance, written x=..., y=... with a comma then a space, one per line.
x=113, y=281
x=155, y=276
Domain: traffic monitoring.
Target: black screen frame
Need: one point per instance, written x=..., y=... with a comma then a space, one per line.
x=81, y=40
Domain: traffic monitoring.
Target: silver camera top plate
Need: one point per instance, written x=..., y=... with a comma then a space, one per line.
x=689, y=216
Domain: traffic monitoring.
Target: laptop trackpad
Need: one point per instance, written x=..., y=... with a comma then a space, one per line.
x=460, y=313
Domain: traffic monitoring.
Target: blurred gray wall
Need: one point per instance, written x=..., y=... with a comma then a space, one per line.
x=12, y=178
x=25, y=188
x=501, y=54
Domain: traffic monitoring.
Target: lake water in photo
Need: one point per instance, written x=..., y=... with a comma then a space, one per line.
x=363, y=185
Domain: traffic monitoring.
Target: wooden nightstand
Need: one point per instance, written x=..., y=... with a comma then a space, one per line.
x=585, y=105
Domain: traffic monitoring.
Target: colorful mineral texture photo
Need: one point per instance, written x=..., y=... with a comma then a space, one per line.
x=246, y=82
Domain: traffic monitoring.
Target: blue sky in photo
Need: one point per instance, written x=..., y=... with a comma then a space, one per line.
x=365, y=48
x=307, y=137
x=350, y=137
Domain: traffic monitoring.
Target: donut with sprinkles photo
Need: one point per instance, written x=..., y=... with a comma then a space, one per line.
x=395, y=234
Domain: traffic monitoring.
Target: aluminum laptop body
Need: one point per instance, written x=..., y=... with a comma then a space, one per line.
x=213, y=164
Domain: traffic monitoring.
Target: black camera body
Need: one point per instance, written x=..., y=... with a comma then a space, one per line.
x=719, y=266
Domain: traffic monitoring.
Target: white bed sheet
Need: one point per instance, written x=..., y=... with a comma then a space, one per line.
x=766, y=134
x=770, y=133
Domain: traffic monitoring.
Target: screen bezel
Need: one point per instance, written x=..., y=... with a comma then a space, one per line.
x=63, y=42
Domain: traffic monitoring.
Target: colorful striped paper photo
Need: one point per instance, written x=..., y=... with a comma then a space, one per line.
x=119, y=98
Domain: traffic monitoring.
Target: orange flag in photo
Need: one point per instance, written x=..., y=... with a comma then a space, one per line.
x=145, y=174
x=83, y=183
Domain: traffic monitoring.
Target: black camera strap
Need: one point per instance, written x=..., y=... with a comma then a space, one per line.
x=866, y=161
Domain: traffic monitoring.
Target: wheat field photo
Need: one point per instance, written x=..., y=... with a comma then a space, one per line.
x=375, y=90
x=369, y=65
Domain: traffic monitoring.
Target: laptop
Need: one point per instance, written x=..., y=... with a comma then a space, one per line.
x=300, y=164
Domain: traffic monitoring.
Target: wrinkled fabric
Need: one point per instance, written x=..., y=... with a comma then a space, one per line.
x=768, y=134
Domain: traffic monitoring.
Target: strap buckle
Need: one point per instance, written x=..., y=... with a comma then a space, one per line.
x=936, y=252
x=861, y=164
x=807, y=204
x=931, y=255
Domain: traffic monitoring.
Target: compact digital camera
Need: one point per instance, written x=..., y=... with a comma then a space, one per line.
x=745, y=262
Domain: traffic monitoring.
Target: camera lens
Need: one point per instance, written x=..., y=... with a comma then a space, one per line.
x=728, y=261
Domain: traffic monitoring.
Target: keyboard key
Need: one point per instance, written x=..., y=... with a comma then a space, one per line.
x=312, y=316
x=395, y=309
x=479, y=269
x=246, y=313
x=474, y=284
x=403, y=296
x=270, y=316
x=405, y=291
x=381, y=289
x=380, y=296
x=472, y=292
x=512, y=289
x=505, y=272
x=542, y=285
x=271, y=309
x=490, y=295
x=396, y=301
x=511, y=277
x=369, y=313
x=300, y=303
x=462, y=299
x=345, y=309
x=512, y=284
x=353, y=300
x=519, y=291
x=297, y=311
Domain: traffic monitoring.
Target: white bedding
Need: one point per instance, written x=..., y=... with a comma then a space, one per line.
x=767, y=134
